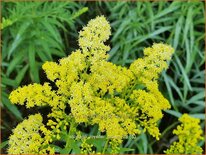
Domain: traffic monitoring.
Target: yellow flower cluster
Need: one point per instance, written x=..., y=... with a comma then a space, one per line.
x=119, y=100
x=26, y=138
x=189, y=135
x=6, y=22
x=149, y=110
x=155, y=59
x=86, y=148
x=92, y=38
x=39, y=96
x=108, y=78
x=149, y=101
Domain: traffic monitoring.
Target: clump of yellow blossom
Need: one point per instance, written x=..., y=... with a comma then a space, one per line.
x=92, y=38
x=149, y=101
x=86, y=148
x=39, y=96
x=155, y=59
x=120, y=100
x=189, y=135
x=26, y=138
x=149, y=111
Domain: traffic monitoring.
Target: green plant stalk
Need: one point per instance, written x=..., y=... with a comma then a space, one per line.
x=105, y=146
x=165, y=131
x=70, y=134
x=127, y=95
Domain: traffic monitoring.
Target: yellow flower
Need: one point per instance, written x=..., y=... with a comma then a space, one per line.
x=32, y=95
x=93, y=36
x=86, y=148
x=155, y=59
x=119, y=100
x=107, y=77
x=26, y=138
x=189, y=134
x=149, y=110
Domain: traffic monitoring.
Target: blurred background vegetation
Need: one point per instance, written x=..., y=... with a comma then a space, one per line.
x=34, y=32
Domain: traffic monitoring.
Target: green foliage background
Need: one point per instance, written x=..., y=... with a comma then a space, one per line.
x=33, y=32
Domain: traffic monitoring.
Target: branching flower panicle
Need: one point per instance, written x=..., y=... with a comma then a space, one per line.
x=121, y=101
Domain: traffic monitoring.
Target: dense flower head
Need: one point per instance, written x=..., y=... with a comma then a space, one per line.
x=92, y=38
x=120, y=100
x=26, y=137
x=149, y=110
x=189, y=135
x=107, y=77
x=155, y=59
x=39, y=96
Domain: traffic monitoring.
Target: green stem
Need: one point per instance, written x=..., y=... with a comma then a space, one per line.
x=169, y=128
x=105, y=146
x=127, y=95
x=165, y=131
x=71, y=133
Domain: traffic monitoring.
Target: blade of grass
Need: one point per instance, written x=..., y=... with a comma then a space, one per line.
x=14, y=110
x=34, y=72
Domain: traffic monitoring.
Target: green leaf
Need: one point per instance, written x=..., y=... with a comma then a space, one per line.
x=52, y=30
x=9, y=82
x=79, y=12
x=19, y=37
x=186, y=79
x=197, y=97
x=200, y=116
x=34, y=72
x=121, y=29
x=144, y=142
x=65, y=151
x=188, y=22
x=171, y=82
x=177, y=33
x=46, y=51
x=20, y=76
x=18, y=58
x=113, y=51
x=98, y=142
x=58, y=24
x=166, y=11
x=140, y=39
x=173, y=113
x=57, y=148
x=12, y=108
x=159, y=31
x=3, y=144
x=169, y=90
x=42, y=55
x=75, y=148
x=58, y=53
x=125, y=149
